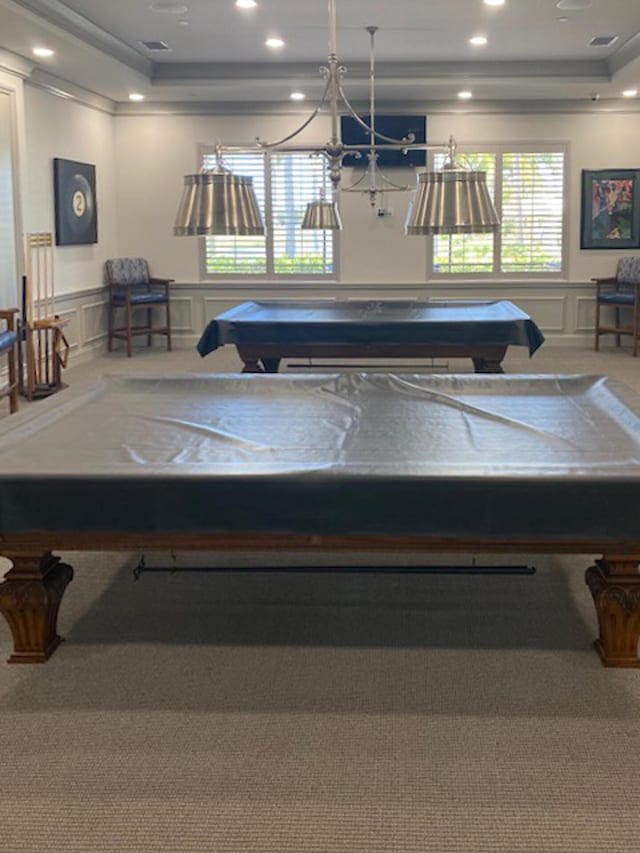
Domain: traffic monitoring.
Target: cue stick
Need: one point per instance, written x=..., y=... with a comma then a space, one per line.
x=142, y=568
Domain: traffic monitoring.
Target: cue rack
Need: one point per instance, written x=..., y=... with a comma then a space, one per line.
x=46, y=349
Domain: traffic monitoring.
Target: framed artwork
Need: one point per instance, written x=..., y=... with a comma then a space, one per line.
x=610, y=209
x=76, y=212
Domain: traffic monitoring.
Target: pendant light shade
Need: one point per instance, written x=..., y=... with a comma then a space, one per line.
x=453, y=201
x=322, y=215
x=218, y=202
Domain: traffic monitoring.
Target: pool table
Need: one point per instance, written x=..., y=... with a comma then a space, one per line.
x=266, y=332
x=457, y=463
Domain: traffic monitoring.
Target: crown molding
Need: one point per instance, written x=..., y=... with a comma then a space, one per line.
x=503, y=107
x=68, y=91
x=15, y=64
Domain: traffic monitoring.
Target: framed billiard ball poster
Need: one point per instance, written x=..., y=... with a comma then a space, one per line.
x=76, y=212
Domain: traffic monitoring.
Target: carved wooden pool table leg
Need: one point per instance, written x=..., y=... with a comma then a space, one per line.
x=487, y=365
x=30, y=598
x=615, y=586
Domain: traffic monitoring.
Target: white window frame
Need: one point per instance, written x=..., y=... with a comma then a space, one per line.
x=297, y=279
x=497, y=275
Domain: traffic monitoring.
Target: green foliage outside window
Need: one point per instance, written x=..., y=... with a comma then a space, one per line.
x=529, y=198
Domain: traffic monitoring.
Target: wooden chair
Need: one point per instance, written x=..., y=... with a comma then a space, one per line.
x=9, y=347
x=131, y=287
x=622, y=292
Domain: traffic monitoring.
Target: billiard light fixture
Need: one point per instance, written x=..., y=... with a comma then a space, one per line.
x=452, y=201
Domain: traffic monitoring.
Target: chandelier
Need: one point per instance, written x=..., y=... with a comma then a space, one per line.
x=454, y=200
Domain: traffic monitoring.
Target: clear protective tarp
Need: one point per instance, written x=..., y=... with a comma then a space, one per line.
x=468, y=455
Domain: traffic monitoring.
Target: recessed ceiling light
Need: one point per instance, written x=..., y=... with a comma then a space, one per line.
x=494, y=2
x=562, y=19
x=478, y=40
x=43, y=52
x=246, y=4
x=465, y=95
x=184, y=22
x=168, y=8
x=274, y=42
x=297, y=96
x=136, y=96
x=629, y=93
x=573, y=5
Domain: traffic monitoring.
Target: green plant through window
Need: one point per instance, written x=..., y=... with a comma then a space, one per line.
x=528, y=190
x=285, y=250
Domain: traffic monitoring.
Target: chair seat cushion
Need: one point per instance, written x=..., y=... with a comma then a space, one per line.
x=141, y=299
x=7, y=340
x=617, y=298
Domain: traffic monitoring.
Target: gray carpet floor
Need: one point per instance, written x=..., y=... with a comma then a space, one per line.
x=322, y=713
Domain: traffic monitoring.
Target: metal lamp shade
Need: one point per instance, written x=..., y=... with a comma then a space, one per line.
x=218, y=202
x=322, y=215
x=453, y=201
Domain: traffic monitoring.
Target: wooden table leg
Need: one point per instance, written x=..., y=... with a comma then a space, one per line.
x=486, y=365
x=615, y=586
x=271, y=365
x=30, y=597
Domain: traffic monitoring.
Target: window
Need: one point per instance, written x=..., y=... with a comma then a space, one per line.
x=527, y=187
x=284, y=184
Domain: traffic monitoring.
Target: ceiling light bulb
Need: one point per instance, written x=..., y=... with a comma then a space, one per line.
x=630, y=93
x=478, y=40
x=297, y=96
x=274, y=42
x=246, y=4
x=136, y=96
x=43, y=52
x=573, y=5
x=465, y=95
x=168, y=8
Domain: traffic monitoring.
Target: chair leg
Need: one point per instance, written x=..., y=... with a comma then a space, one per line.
x=149, y=317
x=617, y=326
x=597, y=340
x=128, y=329
x=111, y=324
x=168, y=327
x=634, y=327
x=13, y=382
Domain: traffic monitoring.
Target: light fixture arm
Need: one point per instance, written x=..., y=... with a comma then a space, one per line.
x=267, y=145
x=373, y=172
x=448, y=202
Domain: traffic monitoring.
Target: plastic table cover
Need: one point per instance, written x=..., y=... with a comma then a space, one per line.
x=456, y=455
x=400, y=322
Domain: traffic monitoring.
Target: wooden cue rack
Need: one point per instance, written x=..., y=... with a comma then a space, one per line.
x=46, y=348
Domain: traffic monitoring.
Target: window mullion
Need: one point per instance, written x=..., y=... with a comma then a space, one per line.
x=268, y=212
x=497, y=239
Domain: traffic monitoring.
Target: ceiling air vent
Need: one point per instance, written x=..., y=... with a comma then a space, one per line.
x=155, y=45
x=602, y=41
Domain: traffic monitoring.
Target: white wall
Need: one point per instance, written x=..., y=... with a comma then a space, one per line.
x=8, y=261
x=56, y=127
x=155, y=152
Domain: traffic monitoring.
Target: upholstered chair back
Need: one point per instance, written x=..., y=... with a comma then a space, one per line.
x=127, y=271
x=628, y=271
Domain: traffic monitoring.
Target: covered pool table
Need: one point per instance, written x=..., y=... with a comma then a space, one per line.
x=266, y=332
x=466, y=463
